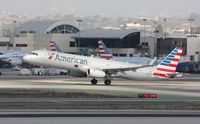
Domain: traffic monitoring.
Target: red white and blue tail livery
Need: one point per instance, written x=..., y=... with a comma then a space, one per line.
x=54, y=46
x=51, y=44
x=103, y=50
x=167, y=68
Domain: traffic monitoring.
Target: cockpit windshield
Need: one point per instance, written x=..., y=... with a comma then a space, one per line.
x=34, y=53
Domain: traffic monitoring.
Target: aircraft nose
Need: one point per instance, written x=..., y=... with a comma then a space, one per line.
x=27, y=58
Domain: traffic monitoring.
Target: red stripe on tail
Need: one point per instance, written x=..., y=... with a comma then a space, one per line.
x=172, y=65
x=175, y=60
x=160, y=75
x=166, y=70
x=178, y=54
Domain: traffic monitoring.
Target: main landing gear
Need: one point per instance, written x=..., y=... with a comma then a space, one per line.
x=106, y=82
x=94, y=81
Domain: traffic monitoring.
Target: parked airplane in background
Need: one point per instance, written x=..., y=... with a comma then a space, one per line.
x=12, y=57
x=54, y=46
x=105, y=53
x=103, y=50
x=101, y=68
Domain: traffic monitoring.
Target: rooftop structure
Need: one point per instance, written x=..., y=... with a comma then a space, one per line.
x=104, y=33
x=62, y=27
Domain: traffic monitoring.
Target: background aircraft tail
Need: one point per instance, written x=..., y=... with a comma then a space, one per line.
x=167, y=68
x=103, y=50
x=54, y=46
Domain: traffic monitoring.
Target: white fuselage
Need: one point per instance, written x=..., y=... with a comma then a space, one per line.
x=145, y=73
x=83, y=63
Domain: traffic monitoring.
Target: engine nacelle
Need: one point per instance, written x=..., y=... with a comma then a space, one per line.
x=15, y=61
x=96, y=73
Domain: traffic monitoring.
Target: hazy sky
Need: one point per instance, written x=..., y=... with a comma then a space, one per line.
x=101, y=7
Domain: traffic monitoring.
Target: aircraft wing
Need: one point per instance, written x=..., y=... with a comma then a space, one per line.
x=3, y=57
x=151, y=63
x=114, y=70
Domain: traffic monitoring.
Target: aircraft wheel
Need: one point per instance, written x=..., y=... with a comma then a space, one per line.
x=107, y=82
x=94, y=81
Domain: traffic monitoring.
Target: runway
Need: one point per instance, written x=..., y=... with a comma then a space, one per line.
x=165, y=89
x=181, y=94
x=64, y=92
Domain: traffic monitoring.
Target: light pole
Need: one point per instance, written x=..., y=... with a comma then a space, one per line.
x=165, y=21
x=12, y=35
x=78, y=43
x=190, y=21
x=144, y=20
x=155, y=24
x=135, y=25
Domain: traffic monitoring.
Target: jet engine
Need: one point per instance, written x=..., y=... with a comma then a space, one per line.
x=96, y=73
x=15, y=61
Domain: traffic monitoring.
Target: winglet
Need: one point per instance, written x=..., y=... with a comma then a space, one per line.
x=151, y=63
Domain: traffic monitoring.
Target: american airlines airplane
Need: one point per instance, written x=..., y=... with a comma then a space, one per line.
x=101, y=68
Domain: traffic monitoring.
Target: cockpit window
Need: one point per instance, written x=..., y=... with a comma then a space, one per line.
x=33, y=53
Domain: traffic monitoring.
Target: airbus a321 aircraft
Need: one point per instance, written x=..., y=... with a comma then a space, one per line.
x=101, y=68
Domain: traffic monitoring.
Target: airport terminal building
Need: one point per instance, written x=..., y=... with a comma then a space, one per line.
x=34, y=35
x=120, y=42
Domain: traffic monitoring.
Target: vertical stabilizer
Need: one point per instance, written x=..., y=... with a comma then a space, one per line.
x=167, y=68
x=103, y=50
x=54, y=46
